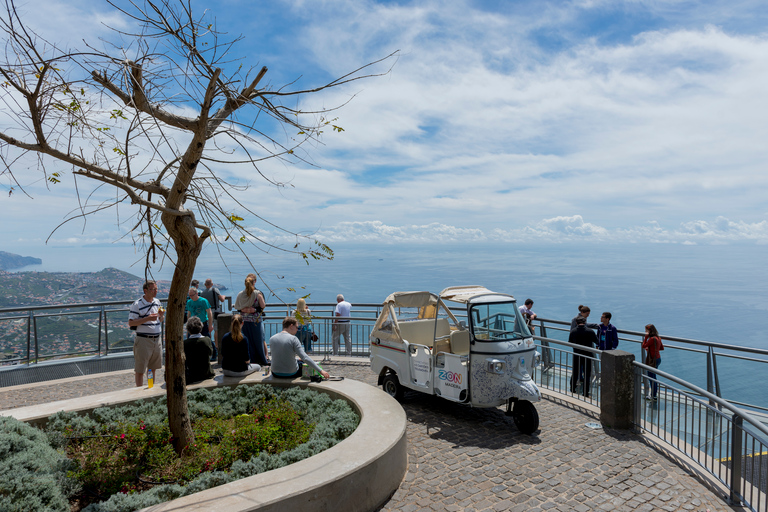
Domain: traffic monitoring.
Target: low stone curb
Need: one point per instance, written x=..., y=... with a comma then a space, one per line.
x=358, y=474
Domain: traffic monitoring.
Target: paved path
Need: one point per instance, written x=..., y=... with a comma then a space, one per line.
x=464, y=459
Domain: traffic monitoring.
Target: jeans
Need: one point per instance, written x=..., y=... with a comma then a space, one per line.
x=654, y=382
x=305, y=337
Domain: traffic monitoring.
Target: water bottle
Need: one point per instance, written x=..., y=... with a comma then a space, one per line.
x=150, y=378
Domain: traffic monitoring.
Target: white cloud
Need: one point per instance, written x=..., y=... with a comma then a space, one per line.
x=484, y=130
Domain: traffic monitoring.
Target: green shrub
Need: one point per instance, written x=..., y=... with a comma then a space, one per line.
x=32, y=472
x=284, y=438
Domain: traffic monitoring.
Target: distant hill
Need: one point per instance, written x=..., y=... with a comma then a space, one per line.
x=9, y=261
x=19, y=289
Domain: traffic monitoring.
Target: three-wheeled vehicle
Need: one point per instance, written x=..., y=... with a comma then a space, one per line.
x=417, y=343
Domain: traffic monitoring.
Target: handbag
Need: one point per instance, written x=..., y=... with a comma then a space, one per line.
x=649, y=359
x=314, y=337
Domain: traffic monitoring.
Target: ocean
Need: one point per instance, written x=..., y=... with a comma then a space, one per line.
x=713, y=293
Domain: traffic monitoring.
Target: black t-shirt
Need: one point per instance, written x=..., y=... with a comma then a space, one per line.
x=234, y=354
x=198, y=352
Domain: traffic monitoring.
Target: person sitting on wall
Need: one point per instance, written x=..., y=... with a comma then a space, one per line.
x=197, y=351
x=284, y=347
x=235, y=361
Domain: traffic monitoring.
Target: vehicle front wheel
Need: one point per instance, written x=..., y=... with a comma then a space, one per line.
x=392, y=387
x=526, y=417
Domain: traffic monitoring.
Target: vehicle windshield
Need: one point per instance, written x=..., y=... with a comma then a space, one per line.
x=498, y=321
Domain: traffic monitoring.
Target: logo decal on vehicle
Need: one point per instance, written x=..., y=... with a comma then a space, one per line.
x=449, y=376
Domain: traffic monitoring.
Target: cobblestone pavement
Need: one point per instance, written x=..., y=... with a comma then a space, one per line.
x=464, y=459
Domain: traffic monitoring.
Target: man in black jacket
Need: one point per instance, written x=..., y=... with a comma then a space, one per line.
x=586, y=338
x=197, y=352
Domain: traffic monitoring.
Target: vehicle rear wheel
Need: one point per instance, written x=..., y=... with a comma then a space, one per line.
x=392, y=387
x=526, y=417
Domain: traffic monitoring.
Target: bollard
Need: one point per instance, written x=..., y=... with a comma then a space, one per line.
x=617, y=389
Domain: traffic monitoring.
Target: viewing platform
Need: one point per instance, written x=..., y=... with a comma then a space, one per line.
x=465, y=459
x=695, y=448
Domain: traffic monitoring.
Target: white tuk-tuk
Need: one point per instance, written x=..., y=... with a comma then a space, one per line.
x=417, y=343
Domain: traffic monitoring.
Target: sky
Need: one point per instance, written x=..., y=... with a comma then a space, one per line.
x=497, y=121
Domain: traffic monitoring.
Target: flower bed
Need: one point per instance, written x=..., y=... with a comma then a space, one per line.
x=273, y=427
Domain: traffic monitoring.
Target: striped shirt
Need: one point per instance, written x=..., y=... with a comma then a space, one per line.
x=142, y=309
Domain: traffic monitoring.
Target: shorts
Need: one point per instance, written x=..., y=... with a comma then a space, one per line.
x=147, y=353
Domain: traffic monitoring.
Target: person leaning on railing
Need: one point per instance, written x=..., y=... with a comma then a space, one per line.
x=652, y=343
x=304, y=316
x=581, y=362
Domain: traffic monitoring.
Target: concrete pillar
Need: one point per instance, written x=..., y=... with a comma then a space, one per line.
x=616, y=389
x=223, y=326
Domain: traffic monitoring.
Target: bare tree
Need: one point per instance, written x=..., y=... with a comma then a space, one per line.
x=157, y=121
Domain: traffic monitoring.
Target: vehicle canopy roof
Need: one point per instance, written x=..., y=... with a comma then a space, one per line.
x=428, y=304
x=412, y=299
x=472, y=294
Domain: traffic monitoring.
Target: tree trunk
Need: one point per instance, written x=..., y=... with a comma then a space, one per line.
x=188, y=246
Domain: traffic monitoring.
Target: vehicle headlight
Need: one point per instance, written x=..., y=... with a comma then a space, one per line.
x=495, y=366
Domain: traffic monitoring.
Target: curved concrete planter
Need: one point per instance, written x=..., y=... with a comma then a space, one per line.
x=358, y=474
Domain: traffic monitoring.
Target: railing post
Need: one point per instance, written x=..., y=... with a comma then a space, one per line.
x=106, y=333
x=638, y=396
x=101, y=318
x=34, y=330
x=29, y=336
x=711, y=370
x=736, y=435
x=714, y=372
x=546, y=352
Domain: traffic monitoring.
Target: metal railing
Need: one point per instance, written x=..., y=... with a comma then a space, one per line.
x=33, y=334
x=715, y=433
x=556, y=371
x=728, y=442
x=709, y=359
x=361, y=322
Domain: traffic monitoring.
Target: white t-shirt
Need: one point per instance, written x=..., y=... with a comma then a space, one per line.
x=342, y=309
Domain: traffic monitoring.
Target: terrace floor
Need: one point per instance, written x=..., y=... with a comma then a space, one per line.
x=464, y=459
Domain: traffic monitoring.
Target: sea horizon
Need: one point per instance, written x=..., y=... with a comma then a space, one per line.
x=716, y=293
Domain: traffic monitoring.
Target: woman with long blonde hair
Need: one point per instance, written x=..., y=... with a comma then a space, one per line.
x=250, y=304
x=304, y=316
x=235, y=360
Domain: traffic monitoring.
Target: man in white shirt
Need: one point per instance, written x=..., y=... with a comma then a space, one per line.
x=341, y=325
x=146, y=318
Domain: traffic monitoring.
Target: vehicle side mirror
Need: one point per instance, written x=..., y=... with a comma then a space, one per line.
x=462, y=325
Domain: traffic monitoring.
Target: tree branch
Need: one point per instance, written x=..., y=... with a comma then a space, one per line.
x=139, y=100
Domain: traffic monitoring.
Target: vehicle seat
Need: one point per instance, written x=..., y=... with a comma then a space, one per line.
x=423, y=332
x=460, y=342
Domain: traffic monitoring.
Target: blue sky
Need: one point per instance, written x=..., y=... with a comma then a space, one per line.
x=500, y=121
